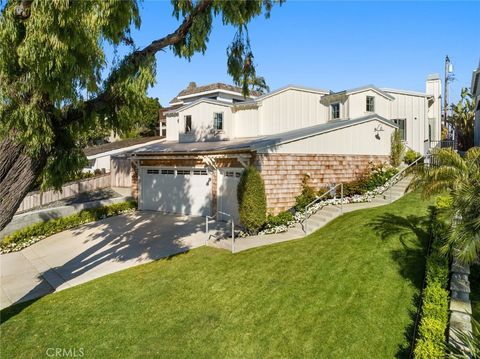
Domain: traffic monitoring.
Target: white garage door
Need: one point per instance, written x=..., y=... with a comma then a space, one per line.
x=176, y=190
x=227, y=191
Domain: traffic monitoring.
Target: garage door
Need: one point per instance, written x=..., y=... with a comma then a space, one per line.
x=176, y=190
x=227, y=190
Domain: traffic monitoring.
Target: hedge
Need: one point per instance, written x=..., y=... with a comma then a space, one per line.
x=431, y=342
x=32, y=234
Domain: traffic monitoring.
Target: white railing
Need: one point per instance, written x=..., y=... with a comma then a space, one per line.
x=316, y=200
x=215, y=216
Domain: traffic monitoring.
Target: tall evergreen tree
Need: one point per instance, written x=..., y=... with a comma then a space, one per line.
x=51, y=87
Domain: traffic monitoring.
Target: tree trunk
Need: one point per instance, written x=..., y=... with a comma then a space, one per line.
x=18, y=173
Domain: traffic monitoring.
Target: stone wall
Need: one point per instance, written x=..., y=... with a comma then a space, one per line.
x=283, y=173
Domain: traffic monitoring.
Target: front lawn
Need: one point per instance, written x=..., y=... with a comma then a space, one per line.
x=346, y=291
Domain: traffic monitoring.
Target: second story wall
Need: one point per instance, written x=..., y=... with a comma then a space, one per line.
x=356, y=105
x=290, y=109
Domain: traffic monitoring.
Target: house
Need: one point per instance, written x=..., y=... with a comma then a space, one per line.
x=99, y=156
x=212, y=135
x=475, y=90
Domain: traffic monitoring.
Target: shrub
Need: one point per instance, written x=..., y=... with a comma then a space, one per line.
x=281, y=219
x=354, y=187
x=378, y=175
x=411, y=156
x=307, y=196
x=397, y=149
x=433, y=324
x=29, y=235
x=252, y=203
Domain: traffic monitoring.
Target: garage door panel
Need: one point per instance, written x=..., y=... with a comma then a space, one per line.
x=184, y=191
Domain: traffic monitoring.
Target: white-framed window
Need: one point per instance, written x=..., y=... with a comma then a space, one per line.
x=335, y=110
x=188, y=123
x=168, y=172
x=370, y=104
x=152, y=172
x=218, y=121
x=183, y=172
x=402, y=127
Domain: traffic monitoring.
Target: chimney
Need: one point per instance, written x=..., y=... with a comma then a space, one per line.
x=434, y=88
x=192, y=85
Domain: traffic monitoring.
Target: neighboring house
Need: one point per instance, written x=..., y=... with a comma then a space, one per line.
x=286, y=133
x=475, y=89
x=99, y=156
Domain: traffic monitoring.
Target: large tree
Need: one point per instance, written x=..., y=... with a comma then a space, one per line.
x=52, y=57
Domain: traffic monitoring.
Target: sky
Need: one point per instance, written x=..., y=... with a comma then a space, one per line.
x=330, y=45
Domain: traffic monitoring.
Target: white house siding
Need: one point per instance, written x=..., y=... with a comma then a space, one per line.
x=354, y=140
x=246, y=122
x=172, y=128
x=356, y=104
x=289, y=110
x=414, y=109
x=202, y=119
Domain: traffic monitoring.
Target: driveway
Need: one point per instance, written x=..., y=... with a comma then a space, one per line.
x=93, y=250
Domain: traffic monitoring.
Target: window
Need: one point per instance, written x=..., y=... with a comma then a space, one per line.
x=188, y=123
x=335, y=110
x=152, y=172
x=370, y=104
x=402, y=127
x=199, y=172
x=218, y=120
x=183, y=172
x=167, y=172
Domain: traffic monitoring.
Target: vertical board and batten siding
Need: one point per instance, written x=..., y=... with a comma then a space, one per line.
x=172, y=128
x=202, y=119
x=357, y=104
x=354, y=140
x=246, y=122
x=289, y=110
x=37, y=199
x=411, y=107
x=120, y=172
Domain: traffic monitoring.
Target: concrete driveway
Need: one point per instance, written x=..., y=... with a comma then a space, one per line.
x=94, y=250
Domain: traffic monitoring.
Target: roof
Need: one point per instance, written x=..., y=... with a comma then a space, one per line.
x=107, y=147
x=255, y=143
x=193, y=89
x=406, y=92
x=176, y=109
x=370, y=87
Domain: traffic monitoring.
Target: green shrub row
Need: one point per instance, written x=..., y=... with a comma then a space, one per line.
x=29, y=235
x=431, y=340
x=252, y=201
x=280, y=219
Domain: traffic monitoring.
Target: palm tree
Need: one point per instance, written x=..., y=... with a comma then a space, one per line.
x=259, y=84
x=462, y=120
x=461, y=178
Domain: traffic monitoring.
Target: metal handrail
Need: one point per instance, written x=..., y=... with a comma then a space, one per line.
x=216, y=217
x=396, y=178
x=318, y=199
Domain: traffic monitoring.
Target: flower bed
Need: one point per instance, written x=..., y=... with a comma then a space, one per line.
x=299, y=216
x=27, y=236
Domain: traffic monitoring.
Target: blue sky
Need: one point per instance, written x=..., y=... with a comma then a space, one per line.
x=331, y=45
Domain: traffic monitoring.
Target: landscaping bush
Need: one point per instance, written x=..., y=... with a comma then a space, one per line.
x=29, y=235
x=280, y=219
x=431, y=341
x=307, y=196
x=411, y=156
x=252, y=202
x=397, y=149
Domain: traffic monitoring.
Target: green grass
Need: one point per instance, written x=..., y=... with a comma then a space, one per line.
x=347, y=291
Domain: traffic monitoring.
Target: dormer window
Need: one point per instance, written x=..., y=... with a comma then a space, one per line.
x=370, y=104
x=335, y=110
x=218, y=121
x=188, y=123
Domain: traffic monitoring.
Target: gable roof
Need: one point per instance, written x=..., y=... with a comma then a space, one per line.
x=176, y=109
x=193, y=89
x=369, y=87
x=254, y=143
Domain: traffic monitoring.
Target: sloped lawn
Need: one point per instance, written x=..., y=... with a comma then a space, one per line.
x=346, y=291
